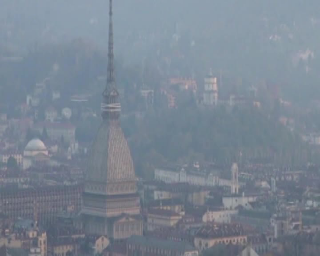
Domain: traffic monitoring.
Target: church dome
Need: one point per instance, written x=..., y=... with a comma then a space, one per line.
x=35, y=145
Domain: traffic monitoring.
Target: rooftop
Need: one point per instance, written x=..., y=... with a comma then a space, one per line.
x=166, y=202
x=220, y=230
x=160, y=243
x=35, y=145
x=164, y=213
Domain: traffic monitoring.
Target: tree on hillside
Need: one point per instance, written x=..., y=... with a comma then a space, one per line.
x=218, y=135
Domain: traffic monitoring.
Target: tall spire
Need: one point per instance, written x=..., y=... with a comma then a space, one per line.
x=110, y=107
x=111, y=78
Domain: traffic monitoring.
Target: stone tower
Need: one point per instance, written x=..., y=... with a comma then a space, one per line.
x=111, y=204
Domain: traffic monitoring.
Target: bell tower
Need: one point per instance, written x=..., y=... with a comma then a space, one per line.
x=210, y=94
x=235, y=179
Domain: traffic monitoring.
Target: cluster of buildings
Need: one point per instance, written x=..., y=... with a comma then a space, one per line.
x=51, y=209
x=206, y=95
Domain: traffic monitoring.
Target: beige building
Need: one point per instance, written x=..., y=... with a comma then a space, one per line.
x=158, y=218
x=234, y=201
x=26, y=240
x=42, y=243
x=101, y=243
x=62, y=247
x=125, y=226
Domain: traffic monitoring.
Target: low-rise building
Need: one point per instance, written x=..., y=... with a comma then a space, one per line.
x=140, y=245
x=174, y=205
x=195, y=195
x=216, y=234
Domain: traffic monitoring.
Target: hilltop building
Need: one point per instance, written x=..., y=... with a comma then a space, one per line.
x=111, y=204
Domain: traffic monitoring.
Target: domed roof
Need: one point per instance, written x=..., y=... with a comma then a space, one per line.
x=35, y=145
x=110, y=159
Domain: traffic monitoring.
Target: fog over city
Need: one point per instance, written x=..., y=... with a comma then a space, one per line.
x=159, y=127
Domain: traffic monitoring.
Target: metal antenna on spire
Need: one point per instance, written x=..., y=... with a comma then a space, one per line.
x=110, y=78
x=110, y=107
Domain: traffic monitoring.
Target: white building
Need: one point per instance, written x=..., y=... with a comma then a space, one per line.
x=32, y=100
x=234, y=201
x=198, y=178
x=35, y=251
x=218, y=215
x=51, y=114
x=34, y=152
x=167, y=176
x=194, y=178
x=56, y=95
